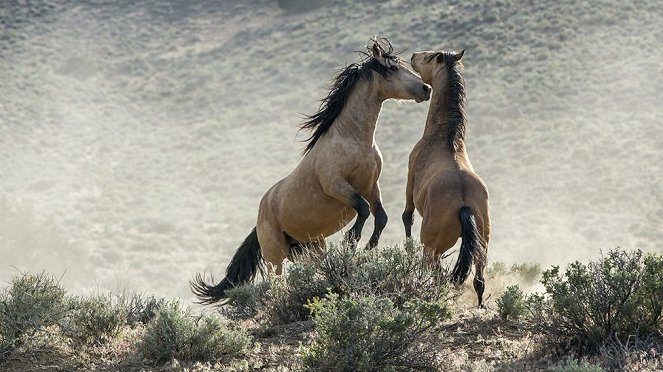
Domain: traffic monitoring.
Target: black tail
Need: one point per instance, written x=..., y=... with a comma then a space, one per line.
x=244, y=266
x=469, y=247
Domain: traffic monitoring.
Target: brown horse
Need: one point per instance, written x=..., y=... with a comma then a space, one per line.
x=336, y=180
x=441, y=183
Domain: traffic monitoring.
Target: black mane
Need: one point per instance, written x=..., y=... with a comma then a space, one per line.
x=341, y=87
x=457, y=99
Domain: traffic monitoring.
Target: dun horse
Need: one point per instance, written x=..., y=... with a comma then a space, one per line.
x=336, y=180
x=441, y=183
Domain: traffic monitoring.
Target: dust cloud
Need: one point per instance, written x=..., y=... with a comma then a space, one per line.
x=137, y=138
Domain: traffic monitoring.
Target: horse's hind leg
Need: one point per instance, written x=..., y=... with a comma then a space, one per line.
x=273, y=245
x=481, y=258
x=479, y=279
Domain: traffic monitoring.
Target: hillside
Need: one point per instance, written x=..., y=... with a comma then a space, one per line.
x=136, y=138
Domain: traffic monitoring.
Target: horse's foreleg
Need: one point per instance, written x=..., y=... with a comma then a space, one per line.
x=379, y=214
x=343, y=191
x=408, y=213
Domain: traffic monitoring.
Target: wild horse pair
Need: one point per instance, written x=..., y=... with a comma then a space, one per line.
x=338, y=176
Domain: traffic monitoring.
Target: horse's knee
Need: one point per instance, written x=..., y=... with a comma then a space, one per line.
x=361, y=206
x=407, y=218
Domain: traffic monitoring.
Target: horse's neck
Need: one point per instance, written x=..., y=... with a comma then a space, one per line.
x=437, y=122
x=359, y=117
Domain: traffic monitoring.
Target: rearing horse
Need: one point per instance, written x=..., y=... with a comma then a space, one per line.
x=441, y=183
x=336, y=180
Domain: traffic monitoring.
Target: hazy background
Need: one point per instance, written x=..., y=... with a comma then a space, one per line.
x=137, y=137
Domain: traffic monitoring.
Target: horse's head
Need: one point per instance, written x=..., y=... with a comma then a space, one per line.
x=397, y=80
x=429, y=64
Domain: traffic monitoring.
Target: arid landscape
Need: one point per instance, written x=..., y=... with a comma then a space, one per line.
x=137, y=137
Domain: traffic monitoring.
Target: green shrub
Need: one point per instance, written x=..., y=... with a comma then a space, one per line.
x=95, y=319
x=176, y=334
x=244, y=300
x=573, y=365
x=30, y=304
x=287, y=294
x=397, y=273
x=613, y=297
x=370, y=333
x=511, y=304
x=139, y=309
x=529, y=272
x=497, y=268
x=650, y=295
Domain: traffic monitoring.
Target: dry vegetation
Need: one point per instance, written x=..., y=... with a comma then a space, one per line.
x=352, y=309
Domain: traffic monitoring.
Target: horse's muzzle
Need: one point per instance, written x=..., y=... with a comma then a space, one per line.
x=425, y=94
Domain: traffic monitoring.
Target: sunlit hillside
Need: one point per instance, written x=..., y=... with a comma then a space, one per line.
x=137, y=137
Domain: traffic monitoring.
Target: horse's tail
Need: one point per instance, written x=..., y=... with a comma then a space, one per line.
x=469, y=247
x=243, y=268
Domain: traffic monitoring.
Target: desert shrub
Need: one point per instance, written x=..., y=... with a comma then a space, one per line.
x=511, y=304
x=573, y=365
x=176, y=334
x=95, y=319
x=28, y=305
x=140, y=309
x=613, y=297
x=287, y=294
x=370, y=333
x=244, y=300
x=650, y=295
x=397, y=273
x=497, y=268
x=400, y=273
x=529, y=272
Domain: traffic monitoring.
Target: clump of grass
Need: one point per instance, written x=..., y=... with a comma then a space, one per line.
x=95, y=319
x=285, y=299
x=140, y=309
x=574, y=365
x=497, y=268
x=176, y=334
x=30, y=304
x=371, y=333
x=529, y=272
x=244, y=301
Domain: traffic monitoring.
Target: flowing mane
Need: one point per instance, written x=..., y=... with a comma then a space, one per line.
x=457, y=99
x=341, y=87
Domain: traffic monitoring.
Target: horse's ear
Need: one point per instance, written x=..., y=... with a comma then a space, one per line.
x=377, y=53
x=459, y=55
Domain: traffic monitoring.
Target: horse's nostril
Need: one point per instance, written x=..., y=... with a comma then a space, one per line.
x=426, y=88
